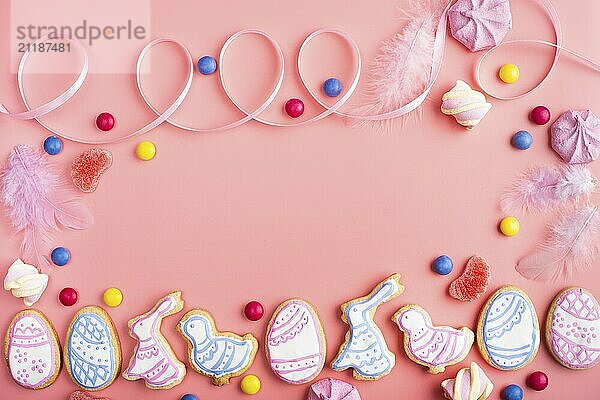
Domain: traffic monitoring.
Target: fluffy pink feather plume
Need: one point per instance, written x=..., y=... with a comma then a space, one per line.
x=38, y=202
x=402, y=68
x=572, y=244
x=545, y=187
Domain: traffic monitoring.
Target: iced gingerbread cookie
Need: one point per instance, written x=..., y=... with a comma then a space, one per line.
x=218, y=355
x=153, y=359
x=508, y=332
x=32, y=350
x=573, y=329
x=364, y=349
x=434, y=347
x=295, y=342
x=470, y=384
x=92, y=349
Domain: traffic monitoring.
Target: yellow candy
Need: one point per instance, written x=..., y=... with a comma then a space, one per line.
x=113, y=297
x=509, y=73
x=509, y=226
x=250, y=384
x=145, y=151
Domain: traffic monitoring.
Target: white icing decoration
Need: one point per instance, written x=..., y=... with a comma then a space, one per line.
x=93, y=354
x=365, y=350
x=511, y=334
x=26, y=282
x=32, y=351
x=295, y=346
x=153, y=359
x=219, y=355
x=574, y=331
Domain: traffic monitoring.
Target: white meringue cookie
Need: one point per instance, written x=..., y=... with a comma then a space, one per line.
x=26, y=282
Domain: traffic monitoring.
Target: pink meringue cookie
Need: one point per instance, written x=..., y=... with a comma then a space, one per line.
x=575, y=136
x=332, y=389
x=480, y=24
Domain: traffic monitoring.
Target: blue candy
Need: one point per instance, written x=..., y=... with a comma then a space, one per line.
x=332, y=87
x=188, y=397
x=522, y=140
x=60, y=256
x=207, y=65
x=53, y=145
x=512, y=392
x=442, y=265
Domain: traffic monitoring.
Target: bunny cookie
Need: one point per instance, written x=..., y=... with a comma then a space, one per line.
x=364, y=349
x=153, y=359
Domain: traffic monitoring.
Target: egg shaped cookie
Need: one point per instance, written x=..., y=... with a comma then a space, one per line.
x=508, y=331
x=573, y=329
x=92, y=349
x=295, y=342
x=32, y=350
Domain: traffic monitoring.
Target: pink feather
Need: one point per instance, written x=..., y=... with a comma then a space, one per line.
x=38, y=202
x=571, y=245
x=545, y=187
x=402, y=68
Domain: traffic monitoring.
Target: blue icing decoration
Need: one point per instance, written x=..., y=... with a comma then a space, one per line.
x=366, y=351
x=94, y=368
x=212, y=354
x=510, y=330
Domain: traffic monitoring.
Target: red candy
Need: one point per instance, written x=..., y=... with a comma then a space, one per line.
x=254, y=311
x=88, y=167
x=294, y=108
x=473, y=282
x=537, y=381
x=105, y=121
x=540, y=115
x=67, y=296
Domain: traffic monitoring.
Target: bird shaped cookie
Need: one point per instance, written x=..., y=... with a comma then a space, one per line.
x=435, y=347
x=218, y=355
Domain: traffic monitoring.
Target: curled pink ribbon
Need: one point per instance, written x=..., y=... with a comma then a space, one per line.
x=249, y=115
x=555, y=21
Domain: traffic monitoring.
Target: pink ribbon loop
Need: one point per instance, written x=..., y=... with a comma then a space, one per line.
x=555, y=21
x=255, y=114
x=58, y=101
x=162, y=117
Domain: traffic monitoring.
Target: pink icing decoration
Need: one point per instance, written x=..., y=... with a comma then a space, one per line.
x=434, y=346
x=480, y=24
x=152, y=361
x=27, y=337
x=575, y=136
x=332, y=389
x=290, y=322
x=572, y=343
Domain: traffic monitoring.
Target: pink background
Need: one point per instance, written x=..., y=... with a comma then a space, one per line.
x=321, y=212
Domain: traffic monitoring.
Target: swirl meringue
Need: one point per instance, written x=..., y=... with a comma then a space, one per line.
x=470, y=383
x=466, y=105
x=26, y=282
